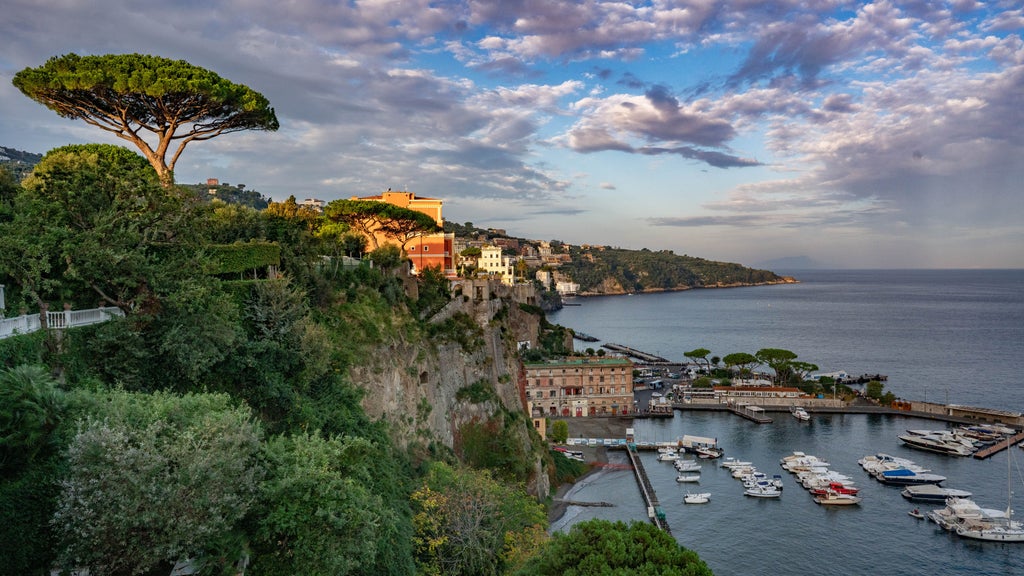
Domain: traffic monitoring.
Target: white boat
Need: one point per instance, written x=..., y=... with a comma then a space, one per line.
x=800, y=414
x=668, y=457
x=1001, y=528
x=932, y=493
x=763, y=490
x=961, y=510
x=731, y=462
x=699, y=498
x=709, y=453
x=831, y=498
x=941, y=442
x=688, y=478
x=687, y=465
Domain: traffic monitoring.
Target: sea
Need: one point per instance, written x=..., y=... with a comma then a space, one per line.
x=951, y=336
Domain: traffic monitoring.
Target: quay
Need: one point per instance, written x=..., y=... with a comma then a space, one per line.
x=654, y=510
x=644, y=356
x=999, y=446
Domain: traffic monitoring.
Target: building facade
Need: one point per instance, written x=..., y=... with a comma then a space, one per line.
x=494, y=264
x=427, y=250
x=578, y=387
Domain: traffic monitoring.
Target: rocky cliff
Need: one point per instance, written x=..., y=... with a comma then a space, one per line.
x=459, y=375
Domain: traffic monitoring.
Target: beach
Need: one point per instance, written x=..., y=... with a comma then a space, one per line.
x=595, y=456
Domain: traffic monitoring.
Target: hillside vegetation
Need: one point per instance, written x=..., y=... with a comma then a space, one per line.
x=604, y=270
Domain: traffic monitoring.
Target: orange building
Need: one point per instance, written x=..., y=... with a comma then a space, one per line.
x=427, y=250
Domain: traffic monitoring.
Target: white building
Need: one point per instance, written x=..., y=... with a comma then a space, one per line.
x=494, y=264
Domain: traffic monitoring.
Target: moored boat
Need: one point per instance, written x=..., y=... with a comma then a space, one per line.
x=763, y=490
x=800, y=414
x=906, y=476
x=932, y=493
x=688, y=478
x=699, y=498
x=831, y=498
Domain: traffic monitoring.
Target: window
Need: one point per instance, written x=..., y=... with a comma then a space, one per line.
x=412, y=248
x=426, y=248
x=552, y=395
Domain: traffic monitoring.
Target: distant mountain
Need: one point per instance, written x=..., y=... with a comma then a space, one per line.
x=18, y=162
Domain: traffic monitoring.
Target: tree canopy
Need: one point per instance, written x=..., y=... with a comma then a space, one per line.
x=134, y=96
x=600, y=547
x=374, y=218
x=778, y=360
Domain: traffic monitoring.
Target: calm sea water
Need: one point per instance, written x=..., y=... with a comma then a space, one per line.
x=936, y=334
x=939, y=335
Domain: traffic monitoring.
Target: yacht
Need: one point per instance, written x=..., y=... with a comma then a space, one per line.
x=906, y=476
x=932, y=493
x=800, y=414
x=941, y=442
x=687, y=465
x=688, y=478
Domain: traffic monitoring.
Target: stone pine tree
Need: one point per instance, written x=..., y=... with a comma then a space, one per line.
x=158, y=104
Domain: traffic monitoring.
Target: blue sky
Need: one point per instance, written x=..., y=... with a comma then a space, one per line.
x=854, y=134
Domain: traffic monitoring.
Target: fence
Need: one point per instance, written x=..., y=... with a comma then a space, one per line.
x=57, y=320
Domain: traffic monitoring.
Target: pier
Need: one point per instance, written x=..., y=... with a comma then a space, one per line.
x=999, y=446
x=753, y=413
x=654, y=511
x=649, y=358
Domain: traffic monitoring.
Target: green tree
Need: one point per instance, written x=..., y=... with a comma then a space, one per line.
x=699, y=356
x=741, y=360
x=374, y=218
x=873, y=389
x=778, y=360
x=154, y=479
x=93, y=219
x=31, y=407
x=559, y=431
x=801, y=370
x=318, y=513
x=466, y=522
x=614, y=549
x=130, y=95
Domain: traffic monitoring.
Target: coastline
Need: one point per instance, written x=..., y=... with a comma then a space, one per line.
x=595, y=458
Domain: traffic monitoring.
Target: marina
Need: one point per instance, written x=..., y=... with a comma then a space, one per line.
x=849, y=534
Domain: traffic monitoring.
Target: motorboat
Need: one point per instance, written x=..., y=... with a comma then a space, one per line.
x=916, y=514
x=906, y=476
x=668, y=457
x=688, y=478
x=709, y=453
x=763, y=490
x=932, y=493
x=799, y=413
x=731, y=462
x=942, y=442
x=699, y=498
x=687, y=465
x=831, y=498
x=836, y=487
x=995, y=527
x=960, y=510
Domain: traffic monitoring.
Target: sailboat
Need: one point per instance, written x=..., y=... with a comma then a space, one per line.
x=1002, y=528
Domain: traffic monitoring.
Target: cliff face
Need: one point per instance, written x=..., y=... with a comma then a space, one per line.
x=430, y=388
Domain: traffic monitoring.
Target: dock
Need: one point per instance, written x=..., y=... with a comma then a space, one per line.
x=999, y=446
x=752, y=413
x=649, y=358
x=654, y=511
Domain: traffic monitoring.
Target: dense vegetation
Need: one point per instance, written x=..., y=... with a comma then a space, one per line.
x=644, y=270
x=216, y=420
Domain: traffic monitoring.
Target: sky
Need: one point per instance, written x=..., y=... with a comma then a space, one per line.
x=835, y=134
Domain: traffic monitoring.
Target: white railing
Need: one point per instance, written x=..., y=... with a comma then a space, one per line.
x=57, y=320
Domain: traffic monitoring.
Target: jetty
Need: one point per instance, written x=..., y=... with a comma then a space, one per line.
x=999, y=446
x=583, y=337
x=634, y=353
x=752, y=413
x=654, y=510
